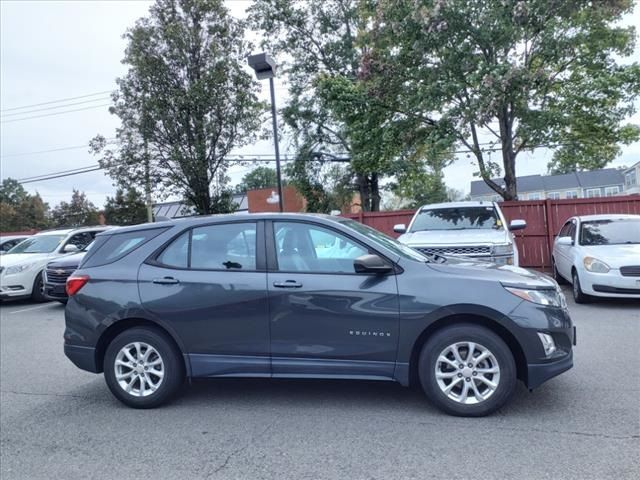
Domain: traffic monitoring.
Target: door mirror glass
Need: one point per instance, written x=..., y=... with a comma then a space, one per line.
x=400, y=228
x=517, y=225
x=371, y=264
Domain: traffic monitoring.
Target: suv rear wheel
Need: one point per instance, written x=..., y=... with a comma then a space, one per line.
x=142, y=368
x=467, y=370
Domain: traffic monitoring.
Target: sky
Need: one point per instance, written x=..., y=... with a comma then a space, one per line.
x=51, y=50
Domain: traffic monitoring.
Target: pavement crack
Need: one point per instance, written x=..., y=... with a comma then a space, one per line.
x=239, y=450
x=45, y=394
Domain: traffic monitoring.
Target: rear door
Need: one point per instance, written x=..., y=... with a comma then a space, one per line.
x=209, y=283
x=326, y=319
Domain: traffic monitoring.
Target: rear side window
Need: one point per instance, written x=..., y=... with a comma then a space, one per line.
x=213, y=247
x=116, y=246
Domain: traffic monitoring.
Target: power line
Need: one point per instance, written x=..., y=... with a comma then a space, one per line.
x=39, y=152
x=65, y=105
x=55, y=113
x=55, y=101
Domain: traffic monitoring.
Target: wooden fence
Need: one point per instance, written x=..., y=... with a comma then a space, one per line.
x=544, y=219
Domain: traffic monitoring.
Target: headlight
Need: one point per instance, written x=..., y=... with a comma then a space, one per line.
x=541, y=297
x=547, y=343
x=503, y=249
x=18, y=268
x=595, y=265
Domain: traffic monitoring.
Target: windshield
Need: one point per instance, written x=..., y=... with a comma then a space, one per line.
x=38, y=244
x=610, y=232
x=457, y=218
x=386, y=241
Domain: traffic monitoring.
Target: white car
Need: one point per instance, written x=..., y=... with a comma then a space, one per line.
x=21, y=267
x=9, y=241
x=468, y=229
x=599, y=255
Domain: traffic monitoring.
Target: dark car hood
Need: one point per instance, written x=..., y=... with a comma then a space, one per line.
x=67, y=261
x=505, y=274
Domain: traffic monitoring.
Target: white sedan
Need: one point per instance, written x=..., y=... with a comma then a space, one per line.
x=599, y=255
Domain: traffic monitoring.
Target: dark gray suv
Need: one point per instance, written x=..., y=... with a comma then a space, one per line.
x=305, y=296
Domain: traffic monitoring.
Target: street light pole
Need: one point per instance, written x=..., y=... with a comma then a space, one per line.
x=265, y=67
x=275, y=141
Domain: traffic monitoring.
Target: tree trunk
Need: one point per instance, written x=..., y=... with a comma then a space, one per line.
x=363, y=190
x=375, y=193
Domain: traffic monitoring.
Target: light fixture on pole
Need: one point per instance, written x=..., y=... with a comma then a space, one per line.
x=265, y=67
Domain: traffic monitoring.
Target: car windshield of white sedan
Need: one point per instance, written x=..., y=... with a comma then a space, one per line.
x=457, y=218
x=38, y=244
x=610, y=232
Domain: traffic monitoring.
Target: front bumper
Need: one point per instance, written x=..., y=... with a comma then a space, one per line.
x=55, y=291
x=611, y=284
x=17, y=285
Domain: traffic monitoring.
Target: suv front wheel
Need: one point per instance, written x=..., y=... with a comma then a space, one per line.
x=467, y=370
x=142, y=368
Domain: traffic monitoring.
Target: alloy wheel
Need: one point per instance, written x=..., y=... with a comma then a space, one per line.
x=139, y=369
x=467, y=372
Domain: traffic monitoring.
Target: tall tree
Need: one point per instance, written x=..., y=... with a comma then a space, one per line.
x=20, y=210
x=259, y=177
x=506, y=76
x=185, y=102
x=312, y=39
x=78, y=212
x=125, y=208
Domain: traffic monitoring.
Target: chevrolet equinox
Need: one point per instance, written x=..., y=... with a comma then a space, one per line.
x=305, y=296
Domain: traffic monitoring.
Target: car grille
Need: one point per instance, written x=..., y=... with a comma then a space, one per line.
x=59, y=275
x=470, y=251
x=631, y=271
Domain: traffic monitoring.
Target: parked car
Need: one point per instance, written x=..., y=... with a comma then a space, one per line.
x=292, y=295
x=599, y=255
x=476, y=230
x=56, y=273
x=9, y=241
x=21, y=267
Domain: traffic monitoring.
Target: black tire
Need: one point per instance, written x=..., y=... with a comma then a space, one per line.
x=556, y=275
x=37, y=294
x=172, y=362
x=578, y=295
x=467, y=333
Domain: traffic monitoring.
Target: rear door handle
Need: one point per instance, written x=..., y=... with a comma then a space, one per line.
x=287, y=284
x=166, y=281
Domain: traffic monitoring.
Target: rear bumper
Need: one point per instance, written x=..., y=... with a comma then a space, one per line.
x=537, y=374
x=82, y=357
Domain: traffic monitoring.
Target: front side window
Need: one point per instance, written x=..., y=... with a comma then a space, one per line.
x=303, y=247
x=610, y=232
x=457, y=218
x=224, y=247
x=38, y=244
x=81, y=240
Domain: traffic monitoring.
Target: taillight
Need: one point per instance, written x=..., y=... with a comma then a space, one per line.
x=75, y=283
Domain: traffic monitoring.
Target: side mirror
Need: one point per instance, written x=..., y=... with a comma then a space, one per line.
x=371, y=264
x=568, y=241
x=517, y=225
x=400, y=228
x=70, y=248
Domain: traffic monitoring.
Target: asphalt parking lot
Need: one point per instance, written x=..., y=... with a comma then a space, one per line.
x=59, y=422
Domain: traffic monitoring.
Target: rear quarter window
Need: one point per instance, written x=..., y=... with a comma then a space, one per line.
x=111, y=248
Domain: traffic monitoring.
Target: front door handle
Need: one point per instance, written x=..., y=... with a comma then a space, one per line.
x=287, y=284
x=166, y=281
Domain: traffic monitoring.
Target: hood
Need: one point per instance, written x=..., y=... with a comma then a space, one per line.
x=467, y=236
x=615, y=256
x=69, y=261
x=22, y=258
x=505, y=274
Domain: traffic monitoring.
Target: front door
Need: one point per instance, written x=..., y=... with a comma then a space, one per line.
x=327, y=320
x=209, y=285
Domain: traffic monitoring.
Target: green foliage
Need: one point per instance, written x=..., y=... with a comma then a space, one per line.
x=19, y=210
x=126, y=208
x=185, y=102
x=259, y=177
x=522, y=73
x=78, y=212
